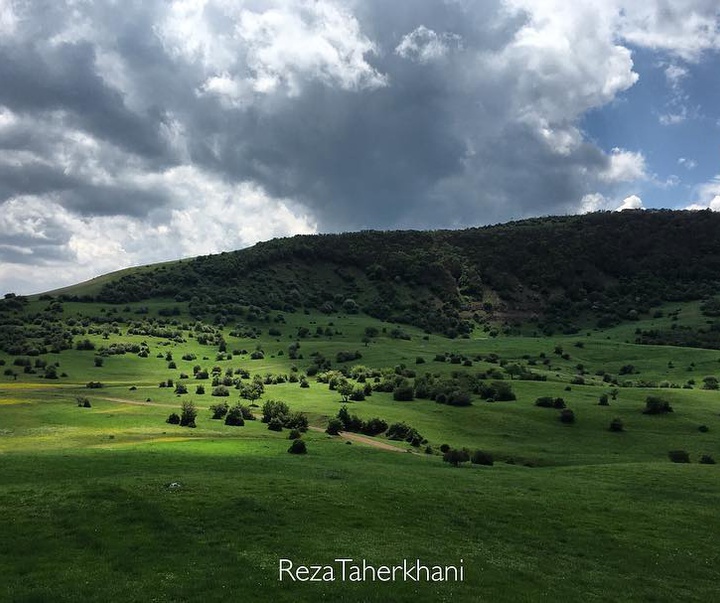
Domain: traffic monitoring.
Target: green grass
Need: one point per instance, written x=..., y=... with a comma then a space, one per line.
x=568, y=512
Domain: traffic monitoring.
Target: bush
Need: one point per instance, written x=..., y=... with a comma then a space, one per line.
x=703, y=429
x=603, y=401
x=498, y=391
x=221, y=391
x=235, y=417
x=294, y=434
x=404, y=393
x=706, y=459
x=616, y=425
x=181, y=388
x=298, y=447
x=188, y=414
x=297, y=421
x=275, y=424
x=444, y=448
x=173, y=419
x=567, y=416
x=374, y=426
x=550, y=402
x=200, y=390
x=455, y=457
x=480, y=457
x=679, y=456
x=656, y=406
x=83, y=402
x=334, y=427
x=219, y=410
x=275, y=409
x=94, y=385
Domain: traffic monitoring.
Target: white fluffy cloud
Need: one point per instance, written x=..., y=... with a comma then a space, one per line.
x=423, y=44
x=631, y=202
x=624, y=166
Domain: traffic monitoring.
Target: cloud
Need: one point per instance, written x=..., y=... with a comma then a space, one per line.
x=631, y=202
x=156, y=129
x=624, y=166
x=424, y=45
x=689, y=164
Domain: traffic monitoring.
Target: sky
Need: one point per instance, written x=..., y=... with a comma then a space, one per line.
x=133, y=132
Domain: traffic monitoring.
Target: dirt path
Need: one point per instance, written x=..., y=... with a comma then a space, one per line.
x=135, y=402
x=363, y=439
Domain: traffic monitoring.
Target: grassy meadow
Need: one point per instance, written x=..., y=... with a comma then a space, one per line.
x=111, y=503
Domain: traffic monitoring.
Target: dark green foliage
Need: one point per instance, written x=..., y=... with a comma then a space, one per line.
x=567, y=416
x=94, y=385
x=99, y=361
x=679, y=456
x=275, y=424
x=294, y=434
x=497, y=391
x=603, y=400
x=298, y=447
x=616, y=425
x=200, y=390
x=188, y=414
x=349, y=422
x=444, y=448
x=219, y=410
x=345, y=356
x=296, y=420
x=221, y=391
x=655, y=405
x=706, y=459
x=550, y=402
x=703, y=429
x=374, y=426
x=275, y=409
x=181, y=388
x=173, y=419
x=480, y=457
x=711, y=383
x=403, y=393
x=403, y=432
x=85, y=344
x=83, y=402
x=234, y=417
x=334, y=427
x=455, y=457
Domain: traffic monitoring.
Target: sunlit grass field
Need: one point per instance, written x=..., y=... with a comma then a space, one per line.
x=111, y=503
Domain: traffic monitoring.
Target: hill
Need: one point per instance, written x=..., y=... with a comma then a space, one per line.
x=557, y=273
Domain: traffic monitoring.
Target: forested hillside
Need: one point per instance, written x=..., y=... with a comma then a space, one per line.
x=555, y=273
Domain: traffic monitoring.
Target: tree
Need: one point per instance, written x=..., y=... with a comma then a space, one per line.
x=219, y=410
x=235, y=416
x=188, y=414
x=455, y=457
x=297, y=447
x=335, y=426
x=344, y=388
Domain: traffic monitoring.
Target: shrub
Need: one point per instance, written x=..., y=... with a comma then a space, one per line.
x=603, y=400
x=219, y=410
x=444, y=448
x=455, y=457
x=181, y=388
x=275, y=424
x=188, y=414
x=550, y=402
x=246, y=412
x=679, y=456
x=99, y=361
x=275, y=409
x=297, y=447
x=374, y=426
x=294, y=434
x=404, y=393
x=297, y=421
x=496, y=391
x=334, y=426
x=200, y=390
x=656, y=406
x=234, y=417
x=616, y=425
x=703, y=429
x=479, y=457
x=220, y=390
x=83, y=402
x=94, y=385
x=706, y=459
x=567, y=416
x=173, y=419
